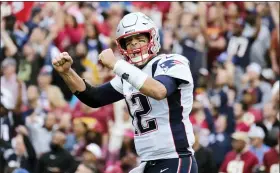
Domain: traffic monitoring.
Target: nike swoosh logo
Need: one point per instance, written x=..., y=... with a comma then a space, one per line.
x=162, y=170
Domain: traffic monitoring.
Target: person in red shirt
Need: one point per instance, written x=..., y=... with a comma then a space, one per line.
x=71, y=33
x=271, y=159
x=240, y=159
x=197, y=117
x=101, y=115
x=239, y=112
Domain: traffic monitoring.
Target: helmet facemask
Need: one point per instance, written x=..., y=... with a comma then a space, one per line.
x=138, y=56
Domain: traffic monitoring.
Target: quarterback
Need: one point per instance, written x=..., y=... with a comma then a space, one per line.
x=158, y=90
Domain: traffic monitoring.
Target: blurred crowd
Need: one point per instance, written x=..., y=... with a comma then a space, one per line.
x=233, y=49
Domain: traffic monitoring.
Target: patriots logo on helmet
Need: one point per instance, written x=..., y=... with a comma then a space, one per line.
x=169, y=63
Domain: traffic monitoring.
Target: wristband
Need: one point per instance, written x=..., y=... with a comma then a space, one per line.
x=130, y=73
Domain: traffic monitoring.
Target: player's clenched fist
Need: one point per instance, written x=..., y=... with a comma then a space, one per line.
x=108, y=58
x=62, y=63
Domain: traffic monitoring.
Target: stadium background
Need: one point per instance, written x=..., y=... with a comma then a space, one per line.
x=236, y=81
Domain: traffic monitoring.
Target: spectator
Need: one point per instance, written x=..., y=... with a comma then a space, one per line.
x=265, y=12
x=65, y=125
x=79, y=143
x=6, y=115
x=218, y=96
x=239, y=159
x=58, y=159
x=57, y=103
x=190, y=43
x=255, y=87
x=89, y=12
x=101, y=116
x=41, y=131
x=111, y=18
x=9, y=23
x=10, y=113
x=198, y=115
x=257, y=147
x=10, y=81
x=269, y=123
x=204, y=157
x=71, y=34
x=271, y=158
x=7, y=156
x=44, y=79
x=29, y=65
x=240, y=54
x=212, y=24
x=93, y=42
x=26, y=156
x=240, y=110
x=41, y=41
x=35, y=19
x=261, y=45
x=50, y=14
x=87, y=64
x=219, y=139
x=8, y=47
x=33, y=105
x=91, y=155
x=128, y=153
x=241, y=57
x=274, y=52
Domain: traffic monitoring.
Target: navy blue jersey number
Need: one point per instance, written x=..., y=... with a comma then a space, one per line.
x=144, y=108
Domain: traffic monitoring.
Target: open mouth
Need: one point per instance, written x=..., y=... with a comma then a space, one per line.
x=136, y=53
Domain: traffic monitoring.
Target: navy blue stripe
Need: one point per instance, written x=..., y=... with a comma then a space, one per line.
x=176, y=124
x=169, y=83
x=154, y=67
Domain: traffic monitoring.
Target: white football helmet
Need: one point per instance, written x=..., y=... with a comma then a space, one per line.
x=136, y=23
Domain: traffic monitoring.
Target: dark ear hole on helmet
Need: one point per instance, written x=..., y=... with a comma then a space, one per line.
x=123, y=44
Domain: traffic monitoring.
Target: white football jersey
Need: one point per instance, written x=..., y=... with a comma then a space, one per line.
x=162, y=128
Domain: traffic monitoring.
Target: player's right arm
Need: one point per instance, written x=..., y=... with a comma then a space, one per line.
x=91, y=96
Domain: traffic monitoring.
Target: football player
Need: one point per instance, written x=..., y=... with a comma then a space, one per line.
x=158, y=90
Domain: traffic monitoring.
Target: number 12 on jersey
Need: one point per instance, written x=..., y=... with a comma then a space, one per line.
x=143, y=109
